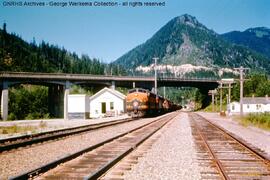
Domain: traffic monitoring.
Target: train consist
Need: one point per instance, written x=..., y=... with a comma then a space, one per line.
x=142, y=102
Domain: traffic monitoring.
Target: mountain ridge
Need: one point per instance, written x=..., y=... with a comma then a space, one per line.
x=257, y=38
x=184, y=40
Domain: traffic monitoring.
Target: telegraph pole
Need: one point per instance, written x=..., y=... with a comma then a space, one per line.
x=228, y=81
x=220, y=99
x=213, y=93
x=155, y=59
x=164, y=90
x=213, y=102
x=229, y=98
x=241, y=70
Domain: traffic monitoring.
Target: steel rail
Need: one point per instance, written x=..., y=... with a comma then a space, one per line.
x=263, y=157
x=34, y=172
x=259, y=162
x=110, y=164
x=25, y=140
x=215, y=159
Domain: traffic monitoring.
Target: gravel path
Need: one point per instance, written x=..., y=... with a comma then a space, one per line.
x=25, y=159
x=173, y=156
x=257, y=137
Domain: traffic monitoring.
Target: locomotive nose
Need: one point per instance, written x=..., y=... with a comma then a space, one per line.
x=135, y=104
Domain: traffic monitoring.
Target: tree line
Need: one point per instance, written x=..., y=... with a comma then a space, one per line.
x=17, y=55
x=20, y=56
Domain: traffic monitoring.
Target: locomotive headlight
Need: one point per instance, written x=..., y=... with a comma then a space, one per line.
x=135, y=103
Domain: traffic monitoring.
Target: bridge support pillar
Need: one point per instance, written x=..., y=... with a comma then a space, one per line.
x=56, y=97
x=67, y=86
x=206, y=99
x=113, y=85
x=134, y=85
x=4, y=102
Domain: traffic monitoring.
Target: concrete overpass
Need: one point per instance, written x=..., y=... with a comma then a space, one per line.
x=59, y=85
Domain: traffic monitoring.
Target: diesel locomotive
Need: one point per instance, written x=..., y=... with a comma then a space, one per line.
x=141, y=102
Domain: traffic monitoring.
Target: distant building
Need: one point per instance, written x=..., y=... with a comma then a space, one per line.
x=107, y=102
x=251, y=105
x=78, y=106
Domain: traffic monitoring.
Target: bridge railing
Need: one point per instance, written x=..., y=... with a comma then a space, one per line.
x=188, y=78
x=87, y=76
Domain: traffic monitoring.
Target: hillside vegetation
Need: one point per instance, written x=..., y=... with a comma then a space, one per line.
x=257, y=39
x=184, y=40
x=17, y=55
x=20, y=56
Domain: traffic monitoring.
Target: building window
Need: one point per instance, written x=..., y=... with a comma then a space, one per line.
x=103, y=107
x=248, y=106
x=111, y=106
x=258, y=106
x=233, y=107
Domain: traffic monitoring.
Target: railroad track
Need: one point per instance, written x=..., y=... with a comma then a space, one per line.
x=94, y=161
x=224, y=156
x=25, y=140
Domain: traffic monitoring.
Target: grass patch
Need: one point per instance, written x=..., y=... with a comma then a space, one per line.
x=216, y=108
x=22, y=129
x=260, y=120
x=16, y=129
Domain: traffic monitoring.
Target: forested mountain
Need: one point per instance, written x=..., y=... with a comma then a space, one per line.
x=20, y=56
x=17, y=55
x=257, y=39
x=184, y=40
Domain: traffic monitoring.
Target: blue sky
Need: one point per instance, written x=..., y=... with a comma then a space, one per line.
x=109, y=32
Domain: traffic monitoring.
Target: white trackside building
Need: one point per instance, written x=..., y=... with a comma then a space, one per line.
x=78, y=106
x=107, y=102
x=251, y=105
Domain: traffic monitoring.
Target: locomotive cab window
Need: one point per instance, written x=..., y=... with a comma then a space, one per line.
x=142, y=90
x=132, y=91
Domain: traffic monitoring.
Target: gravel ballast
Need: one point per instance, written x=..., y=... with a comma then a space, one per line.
x=172, y=156
x=257, y=137
x=44, y=125
x=22, y=160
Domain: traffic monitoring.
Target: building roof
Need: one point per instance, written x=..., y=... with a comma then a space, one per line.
x=114, y=92
x=256, y=100
x=77, y=95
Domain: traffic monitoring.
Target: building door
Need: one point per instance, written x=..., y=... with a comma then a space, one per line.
x=103, y=107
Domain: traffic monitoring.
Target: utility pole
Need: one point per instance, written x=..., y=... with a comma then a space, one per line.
x=213, y=93
x=220, y=100
x=229, y=98
x=241, y=70
x=164, y=90
x=228, y=81
x=155, y=59
x=216, y=100
x=213, y=102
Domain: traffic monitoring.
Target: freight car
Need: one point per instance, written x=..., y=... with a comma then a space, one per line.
x=142, y=102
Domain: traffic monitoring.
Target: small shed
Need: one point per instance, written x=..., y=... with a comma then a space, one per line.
x=107, y=102
x=78, y=106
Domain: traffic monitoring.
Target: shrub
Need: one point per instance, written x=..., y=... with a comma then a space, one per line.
x=29, y=116
x=259, y=119
x=12, y=116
